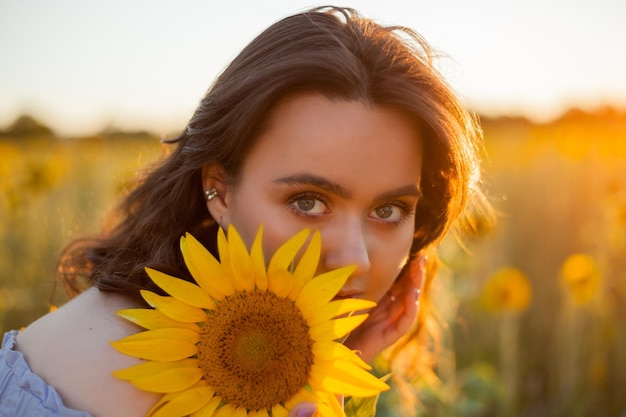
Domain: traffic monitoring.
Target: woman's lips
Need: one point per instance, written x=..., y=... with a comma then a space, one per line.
x=343, y=296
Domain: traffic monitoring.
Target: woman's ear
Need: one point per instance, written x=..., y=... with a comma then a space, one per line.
x=217, y=194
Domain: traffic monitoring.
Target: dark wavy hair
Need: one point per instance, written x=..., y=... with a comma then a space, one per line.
x=330, y=51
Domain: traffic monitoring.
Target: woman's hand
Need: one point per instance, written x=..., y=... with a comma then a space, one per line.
x=388, y=321
x=393, y=316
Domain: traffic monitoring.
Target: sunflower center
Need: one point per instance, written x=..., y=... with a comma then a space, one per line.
x=255, y=350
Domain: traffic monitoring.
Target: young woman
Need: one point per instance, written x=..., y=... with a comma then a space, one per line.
x=325, y=121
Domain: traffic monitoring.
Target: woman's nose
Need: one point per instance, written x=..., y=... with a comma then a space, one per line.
x=346, y=244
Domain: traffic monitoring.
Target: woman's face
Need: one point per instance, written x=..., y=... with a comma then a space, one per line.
x=340, y=167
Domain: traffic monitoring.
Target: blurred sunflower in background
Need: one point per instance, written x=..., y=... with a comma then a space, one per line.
x=581, y=276
x=248, y=340
x=508, y=289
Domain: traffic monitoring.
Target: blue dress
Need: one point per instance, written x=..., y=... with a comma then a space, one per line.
x=23, y=393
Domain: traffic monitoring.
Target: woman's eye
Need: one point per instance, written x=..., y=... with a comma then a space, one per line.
x=306, y=204
x=389, y=213
x=309, y=205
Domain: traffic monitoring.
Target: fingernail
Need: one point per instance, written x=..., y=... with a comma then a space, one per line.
x=307, y=410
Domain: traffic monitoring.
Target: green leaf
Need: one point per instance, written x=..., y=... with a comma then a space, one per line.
x=361, y=407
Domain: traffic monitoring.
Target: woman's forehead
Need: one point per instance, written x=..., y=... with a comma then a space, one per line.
x=337, y=139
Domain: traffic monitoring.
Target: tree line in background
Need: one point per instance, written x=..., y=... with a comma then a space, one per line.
x=27, y=126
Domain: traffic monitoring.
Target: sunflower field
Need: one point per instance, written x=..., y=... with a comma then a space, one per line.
x=532, y=308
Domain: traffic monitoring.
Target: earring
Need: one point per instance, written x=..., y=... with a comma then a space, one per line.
x=210, y=194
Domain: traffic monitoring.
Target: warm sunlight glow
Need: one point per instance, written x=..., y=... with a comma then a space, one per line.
x=132, y=77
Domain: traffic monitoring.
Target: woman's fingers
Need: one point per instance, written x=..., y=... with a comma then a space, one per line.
x=393, y=316
x=409, y=291
x=405, y=320
x=410, y=280
x=303, y=410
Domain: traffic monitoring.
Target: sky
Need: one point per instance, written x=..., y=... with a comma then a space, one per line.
x=80, y=66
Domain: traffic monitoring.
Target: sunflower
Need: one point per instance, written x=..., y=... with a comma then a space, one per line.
x=247, y=340
x=508, y=289
x=581, y=275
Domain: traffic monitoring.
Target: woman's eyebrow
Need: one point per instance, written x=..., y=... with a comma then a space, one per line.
x=411, y=190
x=317, y=181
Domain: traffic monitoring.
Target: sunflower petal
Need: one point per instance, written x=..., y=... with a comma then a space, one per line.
x=185, y=403
x=337, y=328
x=226, y=410
x=205, y=269
x=359, y=375
x=166, y=333
x=181, y=290
x=208, y=410
x=329, y=405
x=304, y=395
x=307, y=265
x=279, y=411
x=149, y=318
x=240, y=263
x=284, y=255
x=338, y=308
x=262, y=413
x=145, y=369
x=163, y=400
x=172, y=380
x=223, y=248
x=344, y=377
x=240, y=412
x=156, y=349
x=174, y=309
x=321, y=289
x=280, y=282
x=329, y=351
x=258, y=261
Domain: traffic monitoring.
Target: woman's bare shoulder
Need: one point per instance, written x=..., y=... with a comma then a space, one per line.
x=69, y=348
